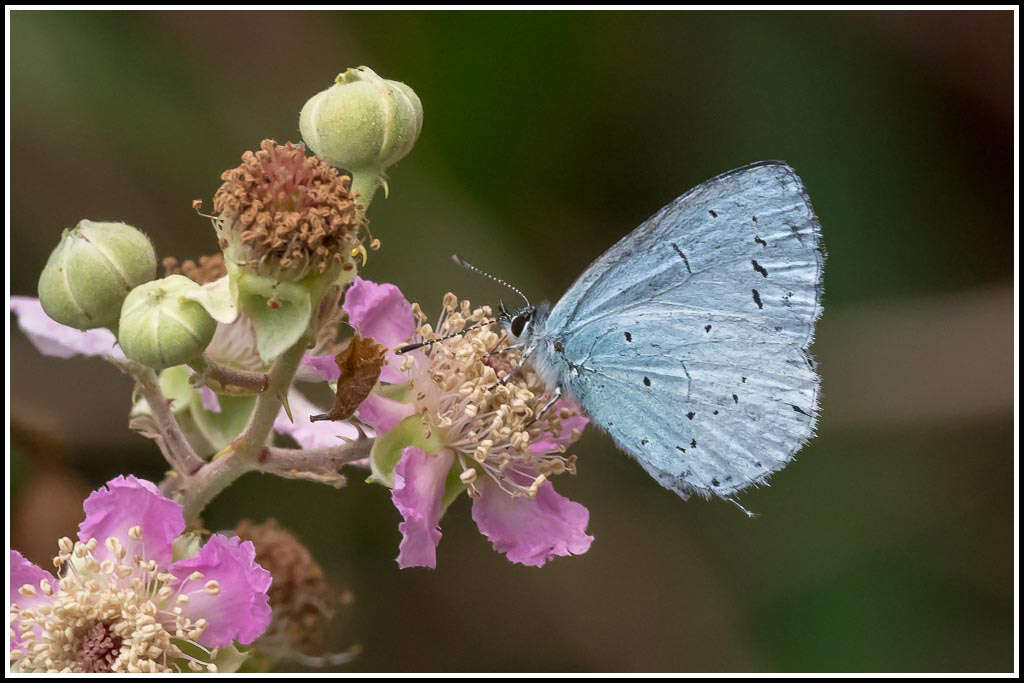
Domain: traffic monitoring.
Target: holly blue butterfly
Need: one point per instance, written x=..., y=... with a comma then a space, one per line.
x=688, y=340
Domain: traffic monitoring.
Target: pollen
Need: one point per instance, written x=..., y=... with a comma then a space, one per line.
x=109, y=617
x=466, y=385
x=281, y=210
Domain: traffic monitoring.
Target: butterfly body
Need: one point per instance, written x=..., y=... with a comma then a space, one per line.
x=687, y=341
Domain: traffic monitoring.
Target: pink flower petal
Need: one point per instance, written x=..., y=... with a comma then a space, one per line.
x=324, y=366
x=550, y=443
x=418, y=494
x=24, y=572
x=380, y=311
x=126, y=502
x=383, y=413
x=53, y=339
x=239, y=609
x=531, y=531
x=320, y=434
x=209, y=399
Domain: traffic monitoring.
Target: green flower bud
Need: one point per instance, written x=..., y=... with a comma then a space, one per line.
x=89, y=274
x=363, y=124
x=161, y=326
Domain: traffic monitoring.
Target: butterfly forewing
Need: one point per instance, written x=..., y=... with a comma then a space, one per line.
x=688, y=339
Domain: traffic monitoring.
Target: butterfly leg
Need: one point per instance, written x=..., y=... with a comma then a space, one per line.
x=519, y=366
x=555, y=395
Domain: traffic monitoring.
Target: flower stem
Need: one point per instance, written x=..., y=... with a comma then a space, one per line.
x=169, y=438
x=243, y=453
x=228, y=380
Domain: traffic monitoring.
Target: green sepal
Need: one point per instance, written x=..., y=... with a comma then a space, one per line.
x=396, y=392
x=279, y=311
x=230, y=659
x=218, y=298
x=453, y=486
x=185, y=546
x=175, y=386
x=220, y=429
x=387, y=448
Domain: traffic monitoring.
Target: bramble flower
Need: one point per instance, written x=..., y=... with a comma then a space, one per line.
x=134, y=595
x=282, y=212
x=452, y=417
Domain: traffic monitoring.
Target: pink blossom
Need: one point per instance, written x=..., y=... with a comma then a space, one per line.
x=126, y=542
x=531, y=531
x=418, y=495
x=240, y=610
x=54, y=339
x=24, y=573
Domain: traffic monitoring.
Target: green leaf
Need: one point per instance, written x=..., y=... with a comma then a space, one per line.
x=387, y=448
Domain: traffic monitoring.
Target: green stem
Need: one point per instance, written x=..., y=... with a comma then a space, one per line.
x=244, y=452
x=365, y=184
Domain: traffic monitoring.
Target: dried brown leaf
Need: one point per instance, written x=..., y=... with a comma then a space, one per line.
x=360, y=361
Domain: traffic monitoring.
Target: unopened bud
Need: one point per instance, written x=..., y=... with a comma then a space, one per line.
x=89, y=274
x=160, y=327
x=363, y=124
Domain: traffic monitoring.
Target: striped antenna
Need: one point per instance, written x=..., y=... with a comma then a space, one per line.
x=470, y=266
x=419, y=345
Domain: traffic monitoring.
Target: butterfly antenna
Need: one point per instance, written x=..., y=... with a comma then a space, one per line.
x=419, y=345
x=469, y=266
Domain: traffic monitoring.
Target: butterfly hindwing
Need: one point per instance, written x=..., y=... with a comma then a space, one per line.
x=688, y=339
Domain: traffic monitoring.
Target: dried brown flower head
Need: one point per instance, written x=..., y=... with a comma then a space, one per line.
x=282, y=211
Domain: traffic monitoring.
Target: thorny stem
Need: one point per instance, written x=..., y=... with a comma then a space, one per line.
x=243, y=453
x=172, y=441
x=317, y=464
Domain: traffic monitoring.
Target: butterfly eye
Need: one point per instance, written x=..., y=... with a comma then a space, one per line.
x=518, y=324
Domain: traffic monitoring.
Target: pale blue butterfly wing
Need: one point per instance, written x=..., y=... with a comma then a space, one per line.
x=688, y=340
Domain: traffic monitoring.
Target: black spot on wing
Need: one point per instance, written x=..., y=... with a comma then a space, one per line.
x=759, y=268
x=757, y=298
x=686, y=261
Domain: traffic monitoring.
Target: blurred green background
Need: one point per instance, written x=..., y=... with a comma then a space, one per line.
x=887, y=545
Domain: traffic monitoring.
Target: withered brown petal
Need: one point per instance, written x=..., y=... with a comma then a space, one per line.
x=360, y=361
